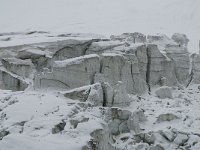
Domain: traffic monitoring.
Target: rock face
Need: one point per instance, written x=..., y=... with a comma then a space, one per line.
x=195, y=72
x=12, y=82
x=20, y=67
x=100, y=94
x=180, y=57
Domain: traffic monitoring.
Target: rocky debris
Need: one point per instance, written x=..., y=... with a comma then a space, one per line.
x=180, y=39
x=3, y=133
x=58, y=128
x=148, y=138
x=166, y=117
x=124, y=121
x=23, y=68
x=164, y=92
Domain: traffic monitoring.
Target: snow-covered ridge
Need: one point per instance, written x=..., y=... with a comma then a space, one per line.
x=128, y=91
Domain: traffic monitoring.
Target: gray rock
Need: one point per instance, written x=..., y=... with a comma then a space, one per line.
x=180, y=57
x=58, y=128
x=12, y=82
x=181, y=139
x=20, y=67
x=3, y=133
x=164, y=92
x=156, y=147
x=169, y=135
x=166, y=117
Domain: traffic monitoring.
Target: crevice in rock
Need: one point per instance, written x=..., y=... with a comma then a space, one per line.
x=132, y=75
x=191, y=71
x=104, y=96
x=148, y=68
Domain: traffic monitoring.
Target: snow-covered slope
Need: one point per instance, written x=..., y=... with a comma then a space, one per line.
x=103, y=16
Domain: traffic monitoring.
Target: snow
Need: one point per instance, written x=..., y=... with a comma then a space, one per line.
x=103, y=17
x=72, y=61
x=41, y=111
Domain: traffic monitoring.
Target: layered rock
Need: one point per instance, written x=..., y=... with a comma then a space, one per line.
x=37, y=56
x=12, y=82
x=23, y=68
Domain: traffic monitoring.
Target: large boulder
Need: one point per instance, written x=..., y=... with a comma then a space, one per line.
x=164, y=92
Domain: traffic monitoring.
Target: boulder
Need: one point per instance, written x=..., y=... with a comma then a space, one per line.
x=164, y=92
x=58, y=127
x=166, y=117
